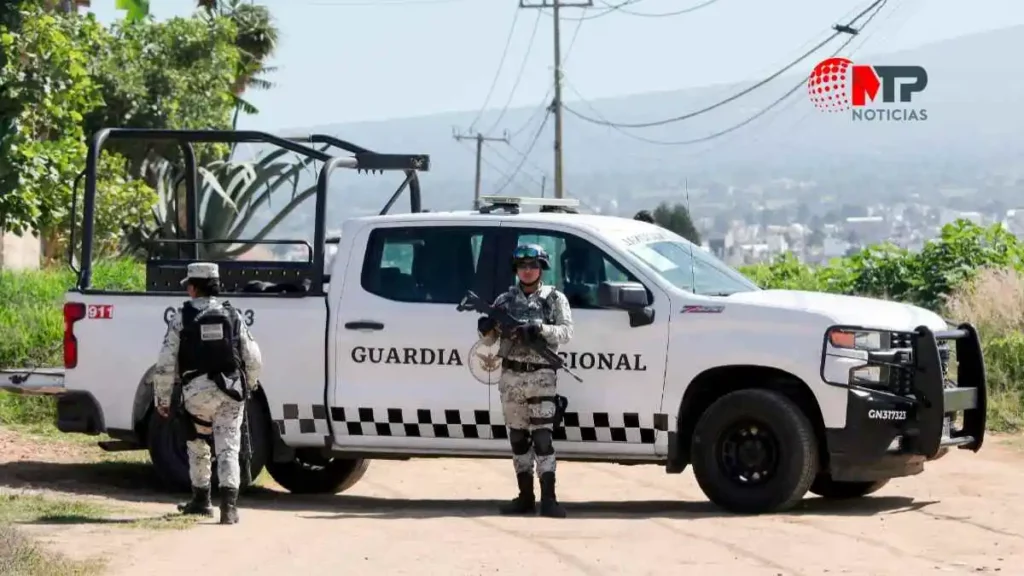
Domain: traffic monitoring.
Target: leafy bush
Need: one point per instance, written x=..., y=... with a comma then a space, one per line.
x=968, y=273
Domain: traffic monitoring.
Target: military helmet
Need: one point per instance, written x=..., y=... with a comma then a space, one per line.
x=531, y=252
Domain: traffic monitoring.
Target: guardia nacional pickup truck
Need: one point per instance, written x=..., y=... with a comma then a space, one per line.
x=768, y=394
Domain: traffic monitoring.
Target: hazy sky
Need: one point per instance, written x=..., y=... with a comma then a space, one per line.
x=353, y=60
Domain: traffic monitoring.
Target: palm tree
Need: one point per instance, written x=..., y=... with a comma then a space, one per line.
x=256, y=42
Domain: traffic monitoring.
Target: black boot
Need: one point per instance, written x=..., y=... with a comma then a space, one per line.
x=199, y=505
x=525, y=502
x=549, y=505
x=228, y=511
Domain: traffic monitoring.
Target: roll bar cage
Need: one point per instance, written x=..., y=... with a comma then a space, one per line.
x=361, y=159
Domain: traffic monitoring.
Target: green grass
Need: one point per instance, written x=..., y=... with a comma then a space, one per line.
x=32, y=326
x=37, y=509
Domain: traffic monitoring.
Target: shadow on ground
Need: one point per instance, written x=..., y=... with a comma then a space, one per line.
x=137, y=481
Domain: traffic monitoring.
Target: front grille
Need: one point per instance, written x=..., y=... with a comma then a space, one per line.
x=900, y=379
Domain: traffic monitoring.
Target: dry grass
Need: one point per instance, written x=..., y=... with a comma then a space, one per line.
x=20, y=556
x=994, y=304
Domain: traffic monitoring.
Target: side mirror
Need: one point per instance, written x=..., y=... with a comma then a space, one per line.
x=622, y=295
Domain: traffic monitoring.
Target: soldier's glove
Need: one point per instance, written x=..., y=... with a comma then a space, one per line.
x=485, y=324
x=529, y=331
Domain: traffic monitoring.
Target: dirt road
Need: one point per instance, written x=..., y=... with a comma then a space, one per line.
x=965, y=515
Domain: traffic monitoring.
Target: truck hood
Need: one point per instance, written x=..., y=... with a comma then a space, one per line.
x=851, y=310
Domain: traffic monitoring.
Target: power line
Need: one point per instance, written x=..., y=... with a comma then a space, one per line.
x=604, y=12
x=377, y=3
x=556, y=105
x=621, y=7
x=839, y=31
x=480, y=139
x=497, y=73
x=545, y=102
x=490, y=164
x=519, y=76
x=877, y=5
x=519, y=167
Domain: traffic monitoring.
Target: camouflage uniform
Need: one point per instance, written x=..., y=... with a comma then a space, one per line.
x=205, y=401
x=527, y=394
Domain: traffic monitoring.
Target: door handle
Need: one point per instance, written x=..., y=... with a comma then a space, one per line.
x=364, y=325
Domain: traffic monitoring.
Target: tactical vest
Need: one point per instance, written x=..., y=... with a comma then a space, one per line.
x=547, y=304
x=209, y=345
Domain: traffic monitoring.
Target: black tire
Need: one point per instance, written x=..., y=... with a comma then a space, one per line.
x=826, y=487
x=311, y=473
x=165, y=440
x=780, y=427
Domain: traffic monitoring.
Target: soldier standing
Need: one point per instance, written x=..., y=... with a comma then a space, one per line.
x=527, y=385
x=208, y=356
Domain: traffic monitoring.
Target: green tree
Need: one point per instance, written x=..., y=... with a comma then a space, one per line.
x=173, y=74
x=65, y=75
x=677, y=219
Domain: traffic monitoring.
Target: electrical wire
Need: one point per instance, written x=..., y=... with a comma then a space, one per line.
x=546, y=100
x=741, y=93
x=378, y=3
x=621, y=7
x=877, y=5
x=497, y=73
x=491, y=165
x=791, y=127
x=602, y=13
x=533, y=143
x=519, y=76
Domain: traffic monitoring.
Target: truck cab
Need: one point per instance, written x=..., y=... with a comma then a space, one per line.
x=768, y=394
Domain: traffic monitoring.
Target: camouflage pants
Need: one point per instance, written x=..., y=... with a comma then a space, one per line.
x=527, y=399
x=205, y=401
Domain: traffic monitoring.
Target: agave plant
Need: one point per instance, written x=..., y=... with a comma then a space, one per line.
x=229, y=194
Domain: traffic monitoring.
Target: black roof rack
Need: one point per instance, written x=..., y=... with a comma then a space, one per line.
x=362, y=159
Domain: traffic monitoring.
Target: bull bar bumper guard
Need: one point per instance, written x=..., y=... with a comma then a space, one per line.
x=933, y=397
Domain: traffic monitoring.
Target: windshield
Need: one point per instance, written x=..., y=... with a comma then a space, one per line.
x=701, y=274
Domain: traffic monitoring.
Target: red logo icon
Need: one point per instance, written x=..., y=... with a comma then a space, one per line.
x=829, y=84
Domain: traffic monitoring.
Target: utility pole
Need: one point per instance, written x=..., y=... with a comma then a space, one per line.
x=556, y=104
x=480, y=139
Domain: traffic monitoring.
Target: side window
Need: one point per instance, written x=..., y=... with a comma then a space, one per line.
x=422, y=264
x=577, y=267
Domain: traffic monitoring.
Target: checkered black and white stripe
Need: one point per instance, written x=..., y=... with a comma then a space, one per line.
x=630, y=428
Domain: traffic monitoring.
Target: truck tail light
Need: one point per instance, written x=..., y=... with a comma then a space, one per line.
x=73, y=312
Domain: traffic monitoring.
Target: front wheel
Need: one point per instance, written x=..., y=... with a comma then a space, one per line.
x=165, y=440
x=312, y=473
x=754, y=451
x=826, y=487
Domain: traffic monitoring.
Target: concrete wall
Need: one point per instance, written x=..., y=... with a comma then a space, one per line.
x=19, y=252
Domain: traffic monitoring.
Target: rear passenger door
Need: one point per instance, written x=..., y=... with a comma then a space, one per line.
x=403, y=377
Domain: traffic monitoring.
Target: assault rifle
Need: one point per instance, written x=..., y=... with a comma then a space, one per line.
x=507, y=324
x=245, y=450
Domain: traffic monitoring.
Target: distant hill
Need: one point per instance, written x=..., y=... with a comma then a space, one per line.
x=973, y=134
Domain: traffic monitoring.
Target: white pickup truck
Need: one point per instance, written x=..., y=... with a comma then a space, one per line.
x=767, y=393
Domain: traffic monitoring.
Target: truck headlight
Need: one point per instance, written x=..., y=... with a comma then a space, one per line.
x=857, y=339
x=866, y=375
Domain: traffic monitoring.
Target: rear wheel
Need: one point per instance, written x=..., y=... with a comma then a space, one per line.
x=754, y=451
x=165, y=440
x=826, y=487
x=312, y=473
